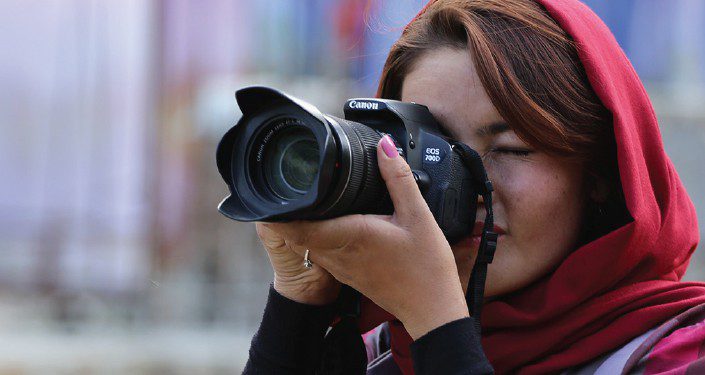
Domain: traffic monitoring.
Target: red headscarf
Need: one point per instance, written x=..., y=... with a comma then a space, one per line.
x=620, y=285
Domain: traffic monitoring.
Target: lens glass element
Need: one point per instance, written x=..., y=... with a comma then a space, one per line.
x=291, y=161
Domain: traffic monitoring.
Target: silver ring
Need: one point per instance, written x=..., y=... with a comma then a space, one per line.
x=307, y=263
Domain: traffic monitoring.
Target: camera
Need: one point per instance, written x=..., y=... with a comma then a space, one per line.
x=286, y=160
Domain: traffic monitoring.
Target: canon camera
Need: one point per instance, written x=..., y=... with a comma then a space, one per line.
x=285, y=160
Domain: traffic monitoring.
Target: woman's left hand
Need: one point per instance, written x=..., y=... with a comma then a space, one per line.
x=401, y=262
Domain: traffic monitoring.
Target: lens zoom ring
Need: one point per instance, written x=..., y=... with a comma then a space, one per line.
x=366, y=190
x=373, y=189
x=353, y=186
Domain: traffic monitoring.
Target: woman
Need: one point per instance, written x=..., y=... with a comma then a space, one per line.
x=595, y=227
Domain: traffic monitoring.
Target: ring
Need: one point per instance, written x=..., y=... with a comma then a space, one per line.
x=307, y=263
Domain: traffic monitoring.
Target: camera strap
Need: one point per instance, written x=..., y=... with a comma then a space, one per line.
x=488, y=242
x=343, y=350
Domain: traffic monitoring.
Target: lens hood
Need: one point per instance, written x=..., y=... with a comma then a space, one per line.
x=239, y=155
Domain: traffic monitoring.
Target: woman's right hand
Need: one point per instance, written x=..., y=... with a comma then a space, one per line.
x=314, y=286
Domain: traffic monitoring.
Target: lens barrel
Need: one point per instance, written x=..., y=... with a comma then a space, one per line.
x=360, y=187
x=285, y=160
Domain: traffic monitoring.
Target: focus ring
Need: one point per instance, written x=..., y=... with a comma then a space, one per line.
x=356, y=172
x=373, y=189
x=366, y=191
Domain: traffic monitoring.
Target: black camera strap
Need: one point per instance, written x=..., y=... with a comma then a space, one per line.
x=488, y=243
x=343, y=350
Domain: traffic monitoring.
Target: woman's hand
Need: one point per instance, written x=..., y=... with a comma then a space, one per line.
x=292, y=280
x=401, y=262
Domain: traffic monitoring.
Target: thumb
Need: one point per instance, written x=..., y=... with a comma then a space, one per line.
x=409, y=204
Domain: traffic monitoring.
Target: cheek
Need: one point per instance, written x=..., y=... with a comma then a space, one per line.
x=541, y=202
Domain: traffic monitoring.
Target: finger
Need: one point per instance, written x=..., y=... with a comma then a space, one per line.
x=298, y=249
x=269, y=237
x=334, y=234
x=409, y=204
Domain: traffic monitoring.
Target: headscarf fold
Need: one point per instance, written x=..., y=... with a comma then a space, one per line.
x=618, y=286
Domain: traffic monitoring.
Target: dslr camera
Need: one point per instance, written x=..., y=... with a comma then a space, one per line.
x=286, y=160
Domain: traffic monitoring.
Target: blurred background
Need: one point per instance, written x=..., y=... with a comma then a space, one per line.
x=113, y=258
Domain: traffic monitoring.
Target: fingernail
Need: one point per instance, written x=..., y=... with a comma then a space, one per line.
x=389, y=148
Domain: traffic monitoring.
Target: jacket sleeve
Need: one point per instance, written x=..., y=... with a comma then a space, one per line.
x=681, y=352
x=289, y=338
x=453, y=348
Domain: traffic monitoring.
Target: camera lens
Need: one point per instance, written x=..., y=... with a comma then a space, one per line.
x=291, y=161
x=286, y=160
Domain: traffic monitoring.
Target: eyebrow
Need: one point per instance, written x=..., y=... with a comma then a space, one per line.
x=492, y=129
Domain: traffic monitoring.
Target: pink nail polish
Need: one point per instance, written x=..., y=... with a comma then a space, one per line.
x=389, y=148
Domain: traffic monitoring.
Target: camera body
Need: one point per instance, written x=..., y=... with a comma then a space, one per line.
x=285, y=160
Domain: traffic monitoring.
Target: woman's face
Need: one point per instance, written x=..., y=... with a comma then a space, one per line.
x=538, y=199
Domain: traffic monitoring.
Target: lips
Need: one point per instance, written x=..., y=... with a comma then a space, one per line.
x=479, y=226
x=473, y=240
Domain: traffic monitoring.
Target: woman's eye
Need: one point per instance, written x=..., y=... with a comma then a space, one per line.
x=513, y=151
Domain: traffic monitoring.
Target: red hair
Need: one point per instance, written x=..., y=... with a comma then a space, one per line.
x=531, y=72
